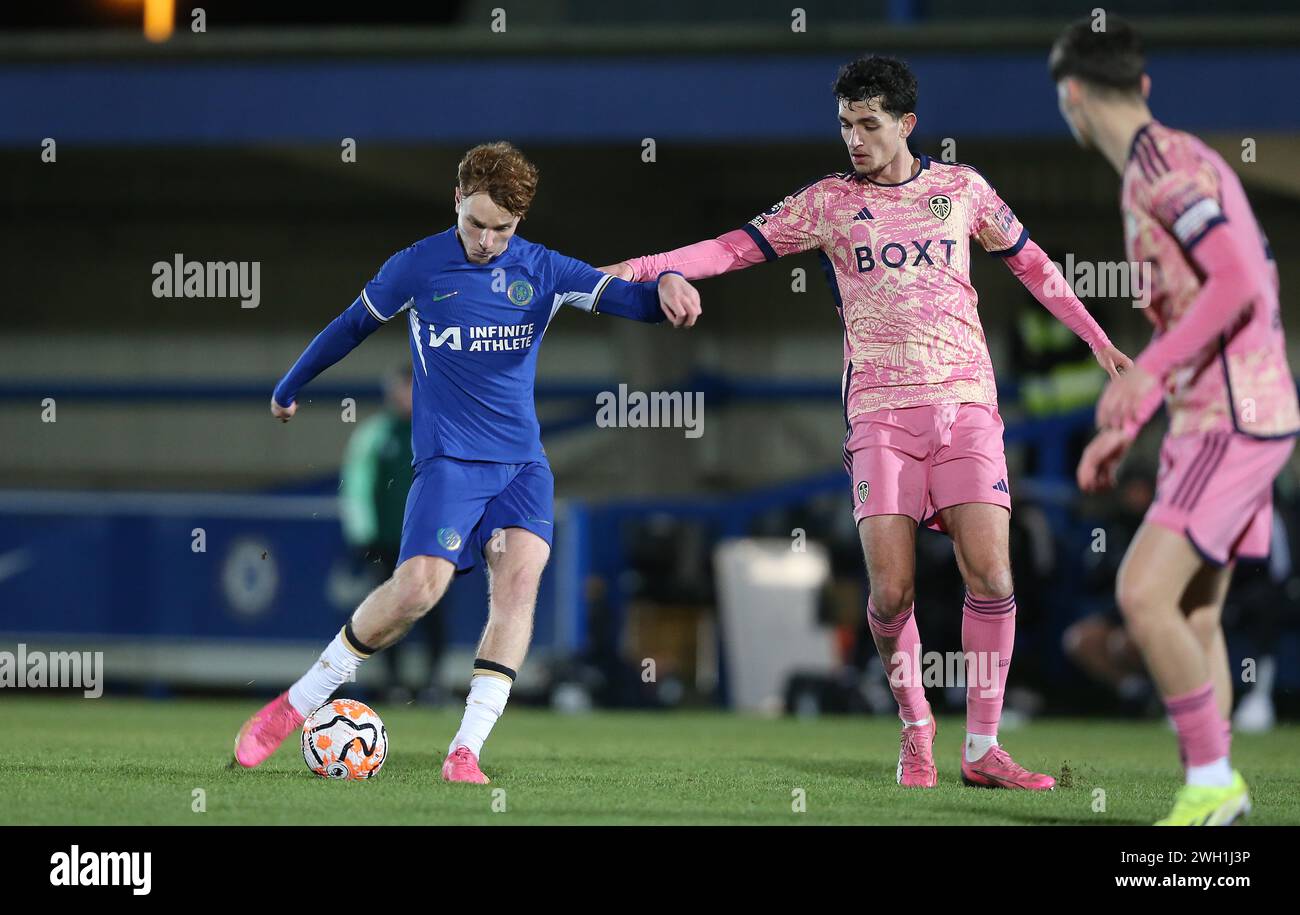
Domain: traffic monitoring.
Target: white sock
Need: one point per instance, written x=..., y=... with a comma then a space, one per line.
x=337, y=663
x=916, y=724
x=1217, y=774
x=978, y=744
x=483, y=706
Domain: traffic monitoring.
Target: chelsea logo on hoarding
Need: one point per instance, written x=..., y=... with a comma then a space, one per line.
x=941, y=205
x=520, y=292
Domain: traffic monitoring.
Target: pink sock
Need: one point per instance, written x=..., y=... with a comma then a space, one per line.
x=1202, y=737
x=988, y=636
x=1227, y=738
x=903, y=662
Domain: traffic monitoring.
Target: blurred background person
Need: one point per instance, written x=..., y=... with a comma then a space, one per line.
x=1259, y=609
x=374, y=481
x=1262, y=606
x=1056, y=376
x=1097, y=643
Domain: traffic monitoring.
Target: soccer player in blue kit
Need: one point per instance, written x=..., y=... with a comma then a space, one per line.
x=477, y=300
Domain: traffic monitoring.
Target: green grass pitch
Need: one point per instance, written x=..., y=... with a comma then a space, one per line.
x=119, y=761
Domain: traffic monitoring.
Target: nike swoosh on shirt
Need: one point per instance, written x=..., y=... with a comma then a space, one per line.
x=439, y=298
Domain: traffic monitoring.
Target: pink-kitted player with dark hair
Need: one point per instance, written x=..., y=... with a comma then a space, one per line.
x=924, y=439
x=1219, y=359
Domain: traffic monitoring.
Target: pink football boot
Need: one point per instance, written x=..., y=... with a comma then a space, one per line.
x=461, y=765
x=995, y=769
x=916, y=756
x=265, y=731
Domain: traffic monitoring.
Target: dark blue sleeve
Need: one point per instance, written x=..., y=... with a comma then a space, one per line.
x=332, y=344
x=583, y=286
x=387, y=294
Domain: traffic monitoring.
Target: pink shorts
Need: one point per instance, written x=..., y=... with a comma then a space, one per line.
x=1217, y=489
x=918, y=461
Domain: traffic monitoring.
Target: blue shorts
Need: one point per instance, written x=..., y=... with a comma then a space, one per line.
x=454, y=507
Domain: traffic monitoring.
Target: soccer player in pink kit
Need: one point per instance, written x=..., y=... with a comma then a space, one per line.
x=924, y=438
x=1219, y=358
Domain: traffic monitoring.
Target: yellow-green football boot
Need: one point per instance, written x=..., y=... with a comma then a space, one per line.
x=1198, y=805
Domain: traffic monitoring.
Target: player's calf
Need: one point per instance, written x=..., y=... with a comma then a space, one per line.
x=514, y=573
x=390, y=611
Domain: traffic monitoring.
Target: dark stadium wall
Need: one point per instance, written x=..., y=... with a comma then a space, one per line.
x=242, y=100
x=320, y=227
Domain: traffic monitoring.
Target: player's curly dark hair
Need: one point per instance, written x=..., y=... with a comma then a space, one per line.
x=1111, y=58
x=503, y=172
x=871, y=76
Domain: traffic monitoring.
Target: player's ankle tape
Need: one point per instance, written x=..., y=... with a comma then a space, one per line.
x=354, y=644
x=484, y=667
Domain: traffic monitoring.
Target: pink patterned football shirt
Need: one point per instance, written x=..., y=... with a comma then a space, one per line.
x=898, y=260
x=1175, y=191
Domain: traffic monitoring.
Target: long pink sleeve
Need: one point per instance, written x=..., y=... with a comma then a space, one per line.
x=731, y=251
x=1146, y=409
x=1035, y=270
x=1228, y=289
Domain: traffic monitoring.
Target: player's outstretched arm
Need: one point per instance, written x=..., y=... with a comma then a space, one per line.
x=790, y=226
x=733, y=250
x=339, y=338
x=382, y=299
x=670, y=296
x=1039, y=275
x=1000, y=233
x=1230, y=287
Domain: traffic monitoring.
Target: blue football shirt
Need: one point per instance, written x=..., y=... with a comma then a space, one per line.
x=475, y=331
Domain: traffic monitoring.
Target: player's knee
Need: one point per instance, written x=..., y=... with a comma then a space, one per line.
x=413, y=598
x=417, y=586
x=890, y=598
x=1205, y=625
x=514, y=588
x=1139, y=604
x=992, y=583
x=1130, y=595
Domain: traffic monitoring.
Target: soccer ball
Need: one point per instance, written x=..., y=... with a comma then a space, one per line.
x=344, y=739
